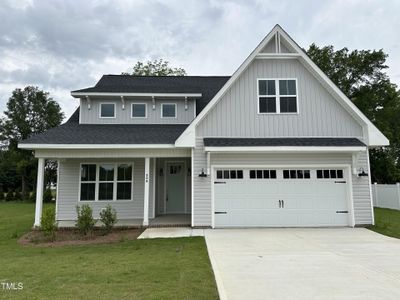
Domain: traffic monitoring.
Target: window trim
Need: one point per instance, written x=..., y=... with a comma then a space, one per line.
x=176, y=110
x=145, y=105
x=277, y=97
x=97, y=182
x=115, y=110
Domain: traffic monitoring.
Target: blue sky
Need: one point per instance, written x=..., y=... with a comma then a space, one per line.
x=66, y=45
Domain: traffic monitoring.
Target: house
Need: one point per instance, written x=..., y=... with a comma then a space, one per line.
x=276, y=144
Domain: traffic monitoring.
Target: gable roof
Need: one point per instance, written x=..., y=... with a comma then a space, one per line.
x=73, y=134
x=372, y=134
x=206, y=86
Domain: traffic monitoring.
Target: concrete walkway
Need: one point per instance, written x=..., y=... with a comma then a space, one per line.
x=343, y=263
x=170, y=232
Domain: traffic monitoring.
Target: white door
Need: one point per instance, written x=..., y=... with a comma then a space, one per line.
x=289, y=197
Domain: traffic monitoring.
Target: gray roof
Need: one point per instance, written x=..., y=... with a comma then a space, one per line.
x=74, y=133
x=257, y=142
x=208, y=86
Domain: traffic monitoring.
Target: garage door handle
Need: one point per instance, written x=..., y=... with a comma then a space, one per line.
x=340, y=181
x=219, y=182
x=342, y=211
x=220, y=213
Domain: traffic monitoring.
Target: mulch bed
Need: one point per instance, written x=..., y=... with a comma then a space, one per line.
x=65, y=237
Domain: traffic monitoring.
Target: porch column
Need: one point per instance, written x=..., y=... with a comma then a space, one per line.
x=146, y=191
x=39, y=192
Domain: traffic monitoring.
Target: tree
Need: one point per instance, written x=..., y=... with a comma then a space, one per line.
x=156, y=67
x=361, y=76
x=29, y=111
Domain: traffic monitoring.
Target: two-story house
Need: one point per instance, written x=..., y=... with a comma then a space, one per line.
x=275, y=144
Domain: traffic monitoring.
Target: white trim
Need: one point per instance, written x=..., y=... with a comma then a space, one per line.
x=192, y=187
x=373, y=136
x=307, y=166
x=146, y=191
x=284, y=149
x=153, y=213
x=57, y=188
x=114, y=181
x=145, y=110
x=173, y=95
x=96, y=146
x=115, y=110
x=277, y=97
x=176, y=110
x=370, y=188
x=184, y=170
x=39, y=192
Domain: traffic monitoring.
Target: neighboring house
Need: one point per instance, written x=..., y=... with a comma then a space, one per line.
x=276, y=144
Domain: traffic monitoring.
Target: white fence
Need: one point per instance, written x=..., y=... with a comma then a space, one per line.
x=386, y=195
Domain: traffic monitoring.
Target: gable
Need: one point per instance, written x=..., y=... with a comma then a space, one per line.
x=319, y=114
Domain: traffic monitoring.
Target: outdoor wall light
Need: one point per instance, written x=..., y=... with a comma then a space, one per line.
x=202, y=174
x=362, y=173
x=189, y=172
x=161, y=173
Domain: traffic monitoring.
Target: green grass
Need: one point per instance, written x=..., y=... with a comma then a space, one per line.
x=141, y=269
x=387, y=222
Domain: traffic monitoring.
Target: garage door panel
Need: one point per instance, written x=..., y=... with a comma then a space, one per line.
x=305, y=202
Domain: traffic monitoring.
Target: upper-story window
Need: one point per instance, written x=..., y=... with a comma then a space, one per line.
x=276, y=96
x=139, y=110
x=107, y=110
x=168, y=110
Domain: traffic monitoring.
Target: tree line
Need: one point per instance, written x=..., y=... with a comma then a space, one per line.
x=360, y=74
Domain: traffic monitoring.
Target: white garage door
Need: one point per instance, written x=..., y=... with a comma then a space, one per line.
x=255, y=197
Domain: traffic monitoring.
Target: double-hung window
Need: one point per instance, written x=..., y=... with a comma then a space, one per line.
x=106, y=182
x=277, y=96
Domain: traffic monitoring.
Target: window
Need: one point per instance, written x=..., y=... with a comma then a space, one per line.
x=262, y=174
x=88, y=182
x=168, y=110
x=106, y=182
x=107, y=110
x=277, y=96
x=296, y=174
x=229, y=174
x=139, y=110
x=327, y=174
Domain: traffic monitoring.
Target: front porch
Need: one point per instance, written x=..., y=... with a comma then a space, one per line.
x=144, y=191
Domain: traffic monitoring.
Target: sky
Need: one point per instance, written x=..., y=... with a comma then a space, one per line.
x=61, y=46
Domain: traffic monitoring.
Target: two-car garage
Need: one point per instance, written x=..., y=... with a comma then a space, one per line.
x=281, y=197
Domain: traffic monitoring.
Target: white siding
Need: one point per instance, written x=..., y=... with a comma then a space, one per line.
x=92, y=116
x=68, y=192
x=202, y=186
x=235, y=115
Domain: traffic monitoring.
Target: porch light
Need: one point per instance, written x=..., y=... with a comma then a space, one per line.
x=202, y=174
x=161, y=172
x=362, y=173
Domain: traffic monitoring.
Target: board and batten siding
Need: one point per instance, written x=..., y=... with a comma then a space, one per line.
x=202, y=211
x=68, y=191
x=319, y=114
x=123, y=116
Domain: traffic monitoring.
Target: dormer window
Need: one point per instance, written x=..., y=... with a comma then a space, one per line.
x=168, y=110
x=139, y=110
x=107, y=110
x=277, y=96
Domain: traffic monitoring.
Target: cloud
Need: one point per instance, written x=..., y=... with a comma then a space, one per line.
x=66, y=45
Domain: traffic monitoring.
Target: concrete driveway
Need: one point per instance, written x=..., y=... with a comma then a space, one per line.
x=345, y=263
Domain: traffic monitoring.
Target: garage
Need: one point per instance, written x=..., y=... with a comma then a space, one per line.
x=281, y=197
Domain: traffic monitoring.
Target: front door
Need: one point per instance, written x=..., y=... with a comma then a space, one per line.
x=175, y=188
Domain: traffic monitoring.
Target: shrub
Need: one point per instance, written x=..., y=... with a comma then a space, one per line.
x=48, y=222
x=32, y=196
x=47, y=196
x=10, y=195
x=108, y=216
x=17, y=196
x=85, y=221
x=1, y=196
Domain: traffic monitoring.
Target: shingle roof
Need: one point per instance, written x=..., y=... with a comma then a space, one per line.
x=259, y=142
x=208, y=86
x=74, y=133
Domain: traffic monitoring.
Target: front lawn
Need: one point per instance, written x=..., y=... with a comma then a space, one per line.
x=387, y=222
x=140, y=269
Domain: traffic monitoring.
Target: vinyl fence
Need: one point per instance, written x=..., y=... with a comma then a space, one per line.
x=386, y=195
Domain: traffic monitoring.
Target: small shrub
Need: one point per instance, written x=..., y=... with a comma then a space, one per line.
x=85, y=221
x=17, y=196
x=48, y=223
x=47, y=196
x=108, y=216
x=1, y=196
x=10, y=195
x=32, y=196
